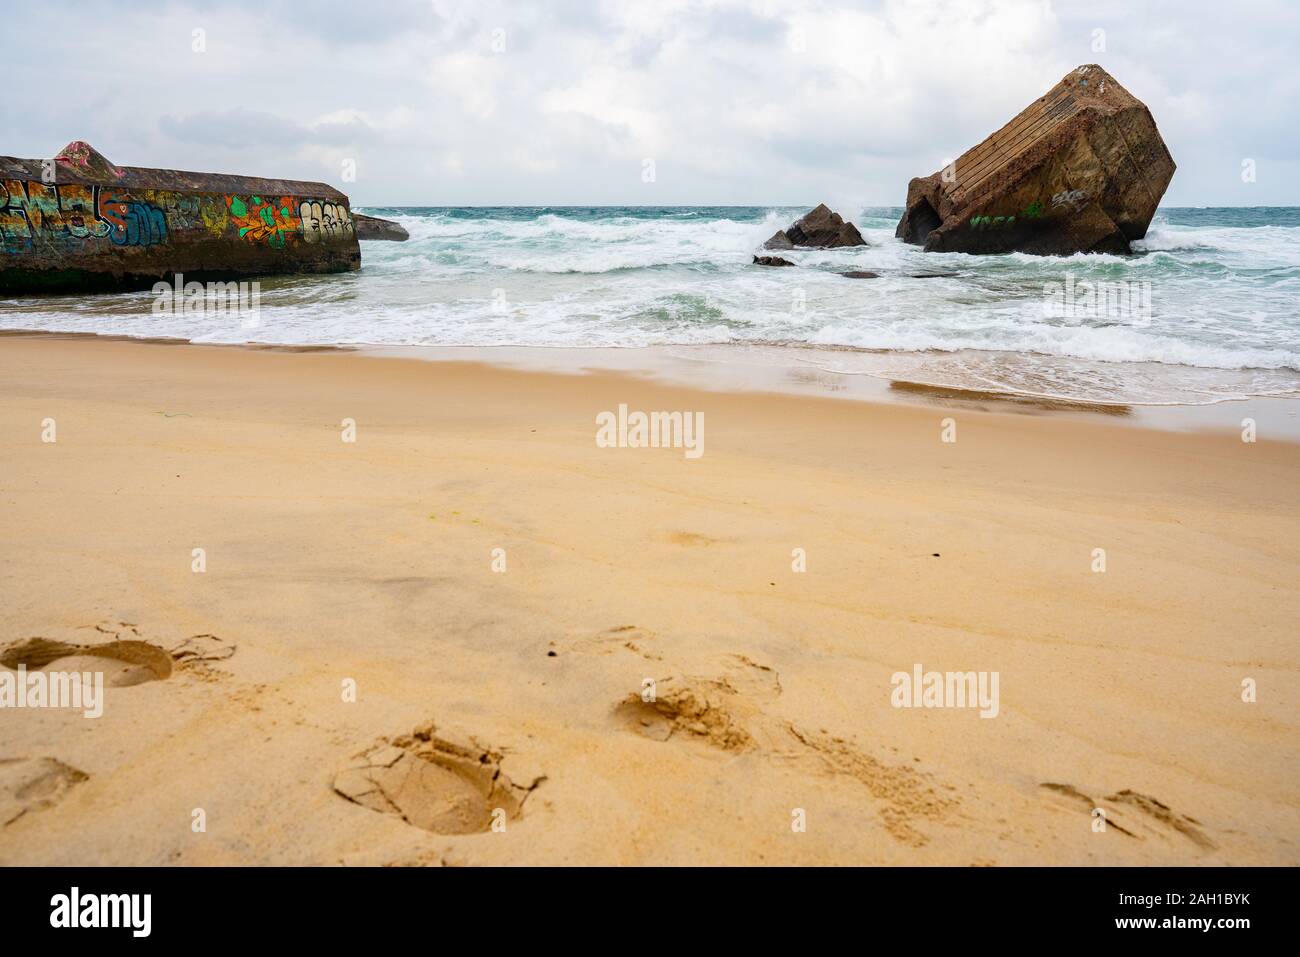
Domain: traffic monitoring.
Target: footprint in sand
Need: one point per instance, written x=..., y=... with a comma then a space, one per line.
x=692, y=539
x=440, y=782
x=194, y=655
x=123, y=662
x=202, y=648
x=745, y=676
x=693, y=707
x=620, y=638
x=28, y=785
x=1135, y=815
x=715, y=709
x=906, y=795
x=727, y=712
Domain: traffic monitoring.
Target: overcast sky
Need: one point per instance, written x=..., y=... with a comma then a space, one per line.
x=442, y=102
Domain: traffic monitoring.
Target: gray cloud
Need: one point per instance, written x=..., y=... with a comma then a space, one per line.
x=765, y=102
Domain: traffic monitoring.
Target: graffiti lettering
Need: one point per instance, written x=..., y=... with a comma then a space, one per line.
x=42, y=206
x=15, y=231
x=131, y=222
x=324, y=222
x=77, y=204
x=991, y=222
x=215, y=216
x=1075, y=199
x=33, y=210
x=184, y=211
x=33, y=213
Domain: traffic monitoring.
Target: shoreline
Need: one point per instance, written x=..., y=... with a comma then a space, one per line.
x=776, y=370
x=350, y=618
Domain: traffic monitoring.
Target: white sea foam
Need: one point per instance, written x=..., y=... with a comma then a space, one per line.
x=1223, y=297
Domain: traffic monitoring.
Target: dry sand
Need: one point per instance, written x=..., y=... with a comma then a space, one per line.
x=515, y=696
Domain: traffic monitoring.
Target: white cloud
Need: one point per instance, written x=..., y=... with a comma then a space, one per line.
x=491, y=102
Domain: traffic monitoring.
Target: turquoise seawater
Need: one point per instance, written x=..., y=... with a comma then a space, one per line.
x=1207, y=308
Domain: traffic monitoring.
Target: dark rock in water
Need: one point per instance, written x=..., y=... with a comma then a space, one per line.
x=372, y=227
x=860, y=274
x=820, y=229
x=933, y=275
x=1081, y=169
x=771, y=261
x=78, y=223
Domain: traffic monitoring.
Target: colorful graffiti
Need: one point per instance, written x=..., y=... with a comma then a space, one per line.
x=30, y=210
x=215, y=217
x=86, y=158
x=259, y=219
x=325, y=221
x=132, y=222
x=1033, y=211
x=76, y=222
x=33, y=212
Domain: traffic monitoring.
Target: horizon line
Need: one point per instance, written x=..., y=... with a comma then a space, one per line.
x=698, y=206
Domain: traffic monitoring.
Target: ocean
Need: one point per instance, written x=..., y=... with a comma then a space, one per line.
x=1208, y=309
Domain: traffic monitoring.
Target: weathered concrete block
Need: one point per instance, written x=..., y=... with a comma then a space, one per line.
x=78, y=223
x=374, y=228
x=1081, y=169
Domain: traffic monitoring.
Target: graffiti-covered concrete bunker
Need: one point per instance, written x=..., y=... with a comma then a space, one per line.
x=78, y=223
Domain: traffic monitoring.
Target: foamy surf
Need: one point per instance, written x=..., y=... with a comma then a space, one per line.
x=1219, y=286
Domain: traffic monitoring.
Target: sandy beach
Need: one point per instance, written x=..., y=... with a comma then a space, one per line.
x=432, y=645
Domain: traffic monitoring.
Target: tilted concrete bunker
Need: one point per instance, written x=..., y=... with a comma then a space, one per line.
x=1081, y=169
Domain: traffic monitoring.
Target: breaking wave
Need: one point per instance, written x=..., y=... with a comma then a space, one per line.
x=1214, y=290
